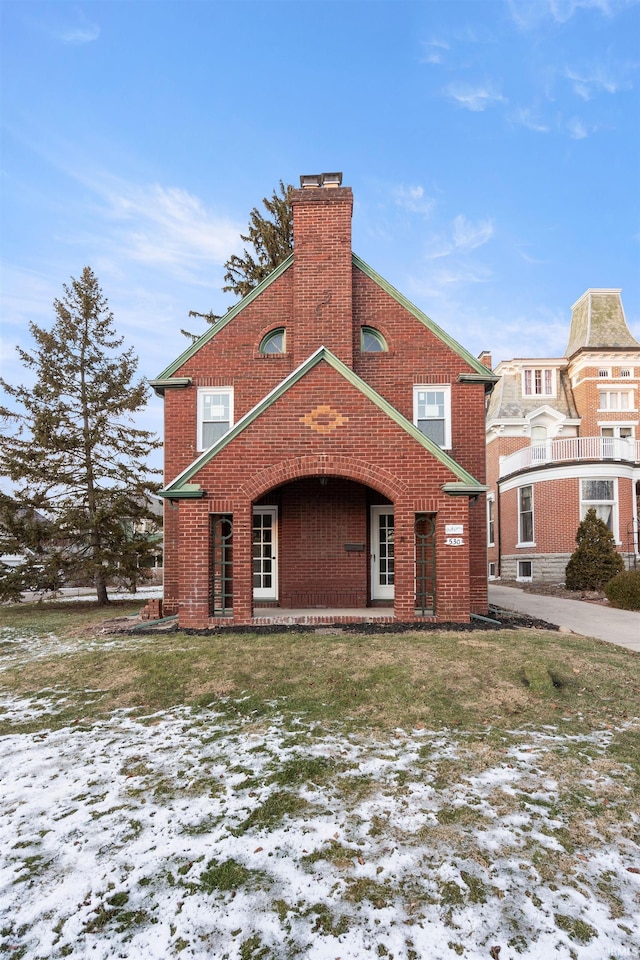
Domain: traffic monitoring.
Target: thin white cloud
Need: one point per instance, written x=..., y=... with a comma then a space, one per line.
x=529, y=118
x=588, y=84
x=578, y=129
x=464, y=236
x=81, y=32
x=435, y=51
x=474, y=98
x=414, y=199
x=468, y=235
x=530, y=14
x=163, y=226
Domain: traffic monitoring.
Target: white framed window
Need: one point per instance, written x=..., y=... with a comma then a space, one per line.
x=616, y=400
x=525, y=571
x=491, y=520
x=604, y=372
x=626, y=372
x=215, y=414
x=539, y=382
x=623, y=431
x=525, y=515
x=492, y=571
x=599, y=493
x=432, y=412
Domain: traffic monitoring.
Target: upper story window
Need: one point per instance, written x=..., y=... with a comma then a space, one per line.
x=616, y=400
x=432, y=412
x=604, y=372
x=538, y=382
x=626, y=372
x=273, y=342
x=491, y=520
x=215, y=414
x=525, y=515
x=372, y=341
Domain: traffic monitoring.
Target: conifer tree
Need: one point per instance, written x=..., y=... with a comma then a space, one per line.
x=75, y=458
x=271, y=241
x=595, y=560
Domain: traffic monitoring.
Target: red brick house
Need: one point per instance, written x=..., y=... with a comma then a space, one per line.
x=563, y=436
x=324, y=448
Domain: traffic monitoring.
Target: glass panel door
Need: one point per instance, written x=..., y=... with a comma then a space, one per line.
x=265, y=553
x=382, y=553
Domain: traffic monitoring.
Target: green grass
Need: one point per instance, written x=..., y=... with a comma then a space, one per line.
x=476, y=680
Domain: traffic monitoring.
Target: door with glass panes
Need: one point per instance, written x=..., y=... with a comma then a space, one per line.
x=265, y=553
x=382, y=553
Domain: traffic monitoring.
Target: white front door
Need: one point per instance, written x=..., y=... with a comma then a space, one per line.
x=382, y=553
x=265, y=553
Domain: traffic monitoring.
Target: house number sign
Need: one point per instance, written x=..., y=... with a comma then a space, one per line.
x=453, y=528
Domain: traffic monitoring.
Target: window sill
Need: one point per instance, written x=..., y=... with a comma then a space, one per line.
x=525, y=545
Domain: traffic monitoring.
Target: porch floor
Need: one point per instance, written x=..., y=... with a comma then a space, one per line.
x=263, y=616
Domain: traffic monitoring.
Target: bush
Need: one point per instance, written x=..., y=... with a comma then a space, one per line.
x=595, y=560
x=624, y=590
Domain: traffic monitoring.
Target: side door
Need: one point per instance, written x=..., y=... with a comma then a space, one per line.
x=265, y=553
x=382, y=553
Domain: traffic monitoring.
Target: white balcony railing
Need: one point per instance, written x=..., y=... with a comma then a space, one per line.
x=570, y=449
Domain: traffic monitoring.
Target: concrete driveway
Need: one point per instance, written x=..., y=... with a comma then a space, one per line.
x=621, y=627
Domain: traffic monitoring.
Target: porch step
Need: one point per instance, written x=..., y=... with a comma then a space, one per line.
x=265, y=616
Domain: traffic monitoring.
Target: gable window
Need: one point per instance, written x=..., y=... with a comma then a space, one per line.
x=273, y=342
x=599, y=494
x=432, y=413
x=215, y=414
x=372, y=341
x=538, y=382
x=525, y=514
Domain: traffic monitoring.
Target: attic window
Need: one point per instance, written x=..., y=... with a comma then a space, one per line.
x=372, y=341
x=273, y=342
x=604, y=372
x=626, y=372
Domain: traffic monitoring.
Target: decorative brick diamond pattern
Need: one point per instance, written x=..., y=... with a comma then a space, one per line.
x=324, y=419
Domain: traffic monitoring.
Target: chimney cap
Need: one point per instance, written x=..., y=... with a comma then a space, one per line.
x=330, y=180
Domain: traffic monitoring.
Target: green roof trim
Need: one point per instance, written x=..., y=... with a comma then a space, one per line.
x=227, y=318
x=322, y=353
x=488, y=381
x=423, y=318
x=186, y=491
x=464, y=489
x=170, y=382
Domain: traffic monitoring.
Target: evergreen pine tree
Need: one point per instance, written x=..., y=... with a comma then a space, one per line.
x=76, y=461
x=595, y=560
x=271, y=240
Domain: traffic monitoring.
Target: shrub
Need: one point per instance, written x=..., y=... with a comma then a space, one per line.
x=595, y=561
x=624, y=590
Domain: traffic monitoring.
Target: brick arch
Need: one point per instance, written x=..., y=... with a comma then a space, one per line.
x=324, y=465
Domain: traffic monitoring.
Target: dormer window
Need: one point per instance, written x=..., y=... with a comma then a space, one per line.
x=538, y=382
x=273, y=342
x=372, y=341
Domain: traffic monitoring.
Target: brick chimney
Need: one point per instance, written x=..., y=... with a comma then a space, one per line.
x=322, y=298
x=486, y=359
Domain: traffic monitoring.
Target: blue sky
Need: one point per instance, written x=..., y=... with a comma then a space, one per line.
x=492, y=147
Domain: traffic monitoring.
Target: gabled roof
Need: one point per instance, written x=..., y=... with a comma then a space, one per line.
x=485, y=375
x=168, y=379
x=169, y=372
x=464, y=484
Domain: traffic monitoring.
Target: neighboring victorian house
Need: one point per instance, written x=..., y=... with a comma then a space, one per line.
x=562, y=436
x=324, y=448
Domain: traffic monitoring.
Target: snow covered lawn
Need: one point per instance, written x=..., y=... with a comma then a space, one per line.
x=208, y=833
